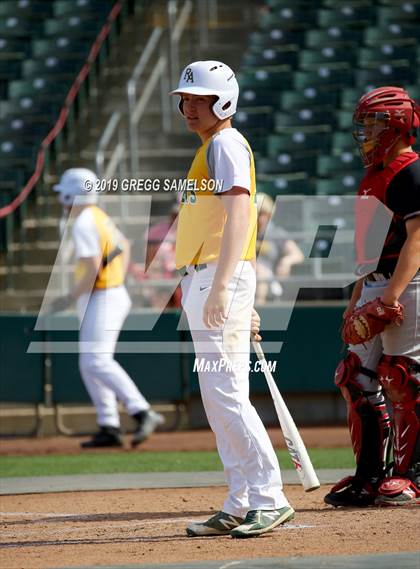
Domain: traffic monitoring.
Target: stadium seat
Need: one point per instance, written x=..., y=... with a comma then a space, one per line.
x=298, y=183
x=258, y=97
x=299, y=140
x=342, y=142
x=39, y=87
x=331, y=165
x=400, y=75
x=275, y=77
x=73, y=26
x=61, y=46
x=397, y=33
x=51, y=66
x=254, y=117
x=16, y=47
x=98, y=8
x=284, y=55
x=347, y=14
x=350, y=96
x=315, y=58
x=316, y=98
x=324, y=76
x=401, y=12
x=303, y=117
x=275, y=37
x=341, y=184
x=345, y=119
x=33, y=9
x=385, y=53
x=15, y=27
x=286, y=163
x=288, y=18
x=333, y=36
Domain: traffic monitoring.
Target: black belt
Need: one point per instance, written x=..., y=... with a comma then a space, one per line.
x=378, y=277
x=184, y=270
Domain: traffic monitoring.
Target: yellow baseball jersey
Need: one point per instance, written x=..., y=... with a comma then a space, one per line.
x=94, y=233
x=202, y=217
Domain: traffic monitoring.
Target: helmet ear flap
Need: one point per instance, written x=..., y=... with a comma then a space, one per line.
x=181, y=106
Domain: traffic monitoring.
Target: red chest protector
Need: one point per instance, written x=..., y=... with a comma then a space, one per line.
x=375, y=184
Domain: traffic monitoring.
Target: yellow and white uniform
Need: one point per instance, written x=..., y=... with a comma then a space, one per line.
x=101, y=315
x=250, y=464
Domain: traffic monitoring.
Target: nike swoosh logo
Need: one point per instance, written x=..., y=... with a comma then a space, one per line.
x=203, y=288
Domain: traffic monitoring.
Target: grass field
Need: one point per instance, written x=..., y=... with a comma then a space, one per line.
x=109, y=463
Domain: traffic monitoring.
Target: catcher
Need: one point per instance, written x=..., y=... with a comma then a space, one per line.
x=382, y=322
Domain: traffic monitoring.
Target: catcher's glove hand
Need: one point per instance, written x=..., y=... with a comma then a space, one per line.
x=61, y=303
x=369, y=320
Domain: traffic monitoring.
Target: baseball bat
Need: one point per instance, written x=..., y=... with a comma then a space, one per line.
x=294, y=442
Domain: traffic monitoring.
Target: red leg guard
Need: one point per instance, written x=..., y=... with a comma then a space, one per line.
x=368, y=419
x=398, y=378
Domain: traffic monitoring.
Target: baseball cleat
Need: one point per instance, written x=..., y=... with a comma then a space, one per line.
x=106, y=437
x=219, y=524
x=258, y=522
x=396, y=491
x=146, y=427
x=351, y=492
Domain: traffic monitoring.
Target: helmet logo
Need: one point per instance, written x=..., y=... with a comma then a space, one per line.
x=188, y=75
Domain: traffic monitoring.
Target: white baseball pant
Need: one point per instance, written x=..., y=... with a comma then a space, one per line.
x=251, y=468
x=102, y=316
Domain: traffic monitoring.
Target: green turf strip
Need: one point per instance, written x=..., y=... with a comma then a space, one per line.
x=121, y=462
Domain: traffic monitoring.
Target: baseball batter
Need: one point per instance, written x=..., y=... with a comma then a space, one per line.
x=215, y=252
x=382, y=321
x=103, y=303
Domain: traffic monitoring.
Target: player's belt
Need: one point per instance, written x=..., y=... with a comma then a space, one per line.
x=378, y=276
x=184, y=270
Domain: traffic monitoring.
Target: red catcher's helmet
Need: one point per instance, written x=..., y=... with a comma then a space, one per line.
x=381, y=118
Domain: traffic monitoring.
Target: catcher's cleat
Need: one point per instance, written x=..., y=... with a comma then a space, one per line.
x=395, y=491
x=258, y=522
x=148, y=423
x=219, y=524
x=106, y=437
x=351, y=492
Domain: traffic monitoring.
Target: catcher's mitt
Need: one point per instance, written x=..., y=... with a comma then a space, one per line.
x=369, y=320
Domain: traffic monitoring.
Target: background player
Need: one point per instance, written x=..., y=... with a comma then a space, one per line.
x=385, y=124
x=215, y=250
x=103, y=303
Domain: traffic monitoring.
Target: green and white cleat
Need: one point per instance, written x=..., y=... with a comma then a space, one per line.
x=258, y=522
x=219, y=524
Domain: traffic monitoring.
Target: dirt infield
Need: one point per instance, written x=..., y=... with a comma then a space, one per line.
x=315, y=437
x=148, y=526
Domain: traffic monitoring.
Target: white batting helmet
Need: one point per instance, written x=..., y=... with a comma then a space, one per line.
x=210, y=78
x=77, y=182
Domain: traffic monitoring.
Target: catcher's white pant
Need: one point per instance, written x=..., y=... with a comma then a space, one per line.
x=102, y=316
x=250, y=463
x=401, y=340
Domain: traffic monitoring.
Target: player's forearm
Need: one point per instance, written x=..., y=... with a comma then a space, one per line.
x=407, y=266
x=126, y=256
x=233, y=241
x=86, y=284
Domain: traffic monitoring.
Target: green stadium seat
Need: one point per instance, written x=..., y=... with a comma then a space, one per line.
x=298, y=141
x=20, y=130
x=397, y=33
x=298, y=183
x=386, y=74
x=289, y=18
x=289, y=3
x=98, y=8
x=324, y=76
x=39, y=87
x=303, y=117
x=15, y=27
x=254, y=117
x=334, y=36
x=275, y=37
x=331, y=165
x=342, y=142
x=45, y=110
x=14, y=47
x=73, y=26
x=414, y=91
x=347, y=15
x=61, y=46
x=401, y=12
x=314, y=58
x=345, y=119
x=316, y=98
x=284, y=55
x=342, y=184
x=385, y=53
x=51, y=66
x=33, y=9
x=350, y=96
x=275, y=77
x=257, y=98
x=286, y=163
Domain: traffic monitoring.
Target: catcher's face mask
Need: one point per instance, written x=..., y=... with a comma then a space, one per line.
x=373, y=136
